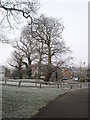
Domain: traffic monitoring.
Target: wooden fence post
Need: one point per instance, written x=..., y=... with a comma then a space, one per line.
x=80, y=86
x=35, y=84
x=40, y=85
x=71, y=86
x=57, y=85
x=19, y=84
x=5, y=80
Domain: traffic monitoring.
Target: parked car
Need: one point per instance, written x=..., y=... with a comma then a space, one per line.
x=65, y=78
x=75, y=78
x=88, y=79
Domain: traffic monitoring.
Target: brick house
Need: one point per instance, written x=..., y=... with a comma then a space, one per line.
x=44, y=71
x=59, y=75
x=89, y=72
x=68, y=74
x=61, y=72
x=35, y=70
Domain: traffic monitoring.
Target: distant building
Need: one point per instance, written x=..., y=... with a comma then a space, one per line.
x=43, y=67
x=2, y=72
x=80, y=72
x=35, y=70
x=88, y=73
x=59, y=75
x=7, y=72
x=68, y=74
x=61, y=72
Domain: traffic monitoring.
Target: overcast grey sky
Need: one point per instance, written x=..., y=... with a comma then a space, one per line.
x=75, y=19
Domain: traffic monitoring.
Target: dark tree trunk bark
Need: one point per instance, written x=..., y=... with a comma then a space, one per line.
x=28, y=68
x=50, y=70
x=40, y=60
x=20, y=74
x=49, y=67
x=29, y=72
x=48, y=75
x=39, y=71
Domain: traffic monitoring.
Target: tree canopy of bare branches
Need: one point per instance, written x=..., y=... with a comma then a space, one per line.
x=48, y=32
x=15, y=13
x=10, y=10
x=17, y=63
x=42, y=42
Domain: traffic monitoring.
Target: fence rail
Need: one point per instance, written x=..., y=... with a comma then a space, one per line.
x=37, y=81
x=42, y=82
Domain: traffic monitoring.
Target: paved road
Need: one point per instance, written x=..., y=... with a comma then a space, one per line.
x=71, y=105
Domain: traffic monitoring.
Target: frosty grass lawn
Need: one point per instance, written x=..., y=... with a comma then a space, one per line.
x=24, y=102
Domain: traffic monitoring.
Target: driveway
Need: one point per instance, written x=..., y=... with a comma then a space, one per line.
x=71, y=105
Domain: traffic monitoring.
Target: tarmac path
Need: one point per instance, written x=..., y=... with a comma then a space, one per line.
x=73, y=104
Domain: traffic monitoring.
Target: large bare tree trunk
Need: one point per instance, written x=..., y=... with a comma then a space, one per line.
x=48, y=74
x=40, y=59
x=20, y=74
x=39, y=70
x=29, y=72
x=49, y=67
x=28, y=68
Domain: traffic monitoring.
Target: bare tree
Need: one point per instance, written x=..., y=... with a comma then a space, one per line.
x=42, y=42
x=11, y=10
x=49, y=31
x=16, y=63
x=25, y=46
x=36, y=46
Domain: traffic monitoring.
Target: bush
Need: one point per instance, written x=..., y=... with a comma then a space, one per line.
x=82, y=79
